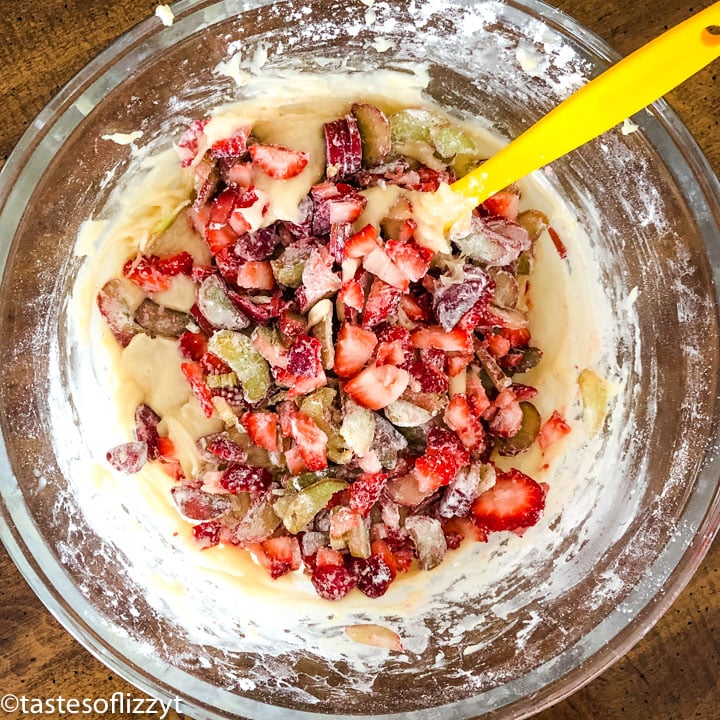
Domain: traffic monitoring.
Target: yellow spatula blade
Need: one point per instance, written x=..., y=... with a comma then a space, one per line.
x=626, y=88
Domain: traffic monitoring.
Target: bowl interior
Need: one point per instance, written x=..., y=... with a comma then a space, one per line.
x=633, y=512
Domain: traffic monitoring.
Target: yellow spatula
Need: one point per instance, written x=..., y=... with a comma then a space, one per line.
x=627, y=87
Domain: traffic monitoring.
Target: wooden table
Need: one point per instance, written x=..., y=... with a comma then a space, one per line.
x=674, y=673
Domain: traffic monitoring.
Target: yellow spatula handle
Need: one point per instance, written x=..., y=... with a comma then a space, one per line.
x=627, y=87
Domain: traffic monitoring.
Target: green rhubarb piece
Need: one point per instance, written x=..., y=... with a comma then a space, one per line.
x=450, y=141
x=358, y=428
x=374, y=131
x=358, y=541
x=298, y=509
x=414, y=124
x=249, y=365
x=317, y=402
x=288, y=268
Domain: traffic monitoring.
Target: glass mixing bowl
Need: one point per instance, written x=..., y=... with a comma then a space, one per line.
x=564, y=607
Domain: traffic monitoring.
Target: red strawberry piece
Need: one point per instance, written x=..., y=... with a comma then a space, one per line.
x=414, y=310
x=332, y=582
x=504, y=203
x=382, y=303
x=460, y=418
x=343, y=148
x=262, y=428
x=457, y=363
x=507, y=420
x=236, y=172
x=373, y=575
x=207, y=534
x=329, y=557
x=334, y=204
x=193, y=373
x=476, y=393
x=256, y=275
x=295, y=463
x=412, y=259
x=278, y=555
x=129, y=457
x=462, y=528
x=189, y=142
x=298, y=384
x=381, y=549
x=166, y=448
x=226, y=449
x=115, y=310
x=437, y=337
x=497, y=345
x=558, y=243
x=146, y=422
x=246, y=478
x=192, y=345
x=553, y=429
x=376, y=387
x=394, y=346
x=319, y=281
x=304, y=357
x=145, y=273
x=311, y=441
x=219, y=234
x=353, y=349
x=515, y=501
x=277, y=161
x=431, y=379
x=214, y=365
x=343, y=520
x=379, y=264
x=362, y=243
x=433, y=470
x=178, y=264
x=228, y=263
x=351, y=295
x=199, y=218
x=233, y=146
x=291, y=322
x=523, y=392
x=518, y=337
x=365, y=491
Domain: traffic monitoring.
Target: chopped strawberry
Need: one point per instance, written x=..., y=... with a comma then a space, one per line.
x=335, y=204
x=262, y=428
x=515, y=501
x=460, y=418
x=193, y=373
x=380, y=549
x=412, y=260
x=476, y=392
x=457, y=363
x=277, y=161
x=237, y=172
x=365, y=491
x=256, y=275
x=373, y=575
x=558, y=243
x=351, y=295
x=221, y=446
x=343, y=520
x=394, y=346
x=189, y=142
x=207, y=534
x=457, y=529
x=332, y=582
x=291, y=323
x=435, y=337
x=192, y=345
x=329, y=557
x=377, y=387
x=155, y=274
x=304, y=357
x=319, y=280
x=498, y=345
x=362, y=243
x=430, y=378
x=311, y=441
x=246, y=478
x=382, y=302
x=298, y=384
x=353, y=349
x=552, y=430
x=295, y=463
x=505, y=203
x=415, y=310
x=233, y=146
x=379, y=264
x=278, y=555
x=518, y=337
x=432, y=471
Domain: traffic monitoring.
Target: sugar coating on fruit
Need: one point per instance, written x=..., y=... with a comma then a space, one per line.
x=149, y=370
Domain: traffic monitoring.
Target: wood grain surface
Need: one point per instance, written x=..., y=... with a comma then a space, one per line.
x=672, y=674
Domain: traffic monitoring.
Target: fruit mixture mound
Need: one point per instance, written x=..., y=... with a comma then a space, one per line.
x=367, y=384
